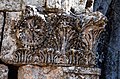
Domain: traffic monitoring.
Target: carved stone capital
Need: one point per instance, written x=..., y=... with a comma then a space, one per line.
x=53, y=39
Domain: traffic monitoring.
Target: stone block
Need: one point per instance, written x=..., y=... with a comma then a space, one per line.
x=36, y=72
x=81, y=73
x=3, y=72
x=10, y=5
x=79, y=6
x=34, y=2
x=8, y=42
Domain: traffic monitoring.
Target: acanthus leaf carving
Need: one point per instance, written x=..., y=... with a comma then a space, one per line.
x=58, y=39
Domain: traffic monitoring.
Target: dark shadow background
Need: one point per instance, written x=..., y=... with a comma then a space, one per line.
x=109, y=44
x=13, y=71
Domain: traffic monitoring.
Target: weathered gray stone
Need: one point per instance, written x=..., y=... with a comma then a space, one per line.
x=36, y=72
x=16, y=48
x=34, y=2
x=1, y=23
x=66, y=5
x=10, y=5
x=8, y=42
x=3, y=72
x=10, y=46
x=81, y=73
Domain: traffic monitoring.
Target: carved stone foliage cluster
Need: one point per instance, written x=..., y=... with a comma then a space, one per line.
x=54, y=39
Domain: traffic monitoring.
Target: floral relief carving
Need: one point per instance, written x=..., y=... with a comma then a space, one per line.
x=55, y=39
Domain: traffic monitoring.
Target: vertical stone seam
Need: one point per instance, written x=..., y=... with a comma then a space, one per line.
x=4, y=22
x=21, y=7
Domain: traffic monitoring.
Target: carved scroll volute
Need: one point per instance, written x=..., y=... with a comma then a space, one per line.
x=93, y=25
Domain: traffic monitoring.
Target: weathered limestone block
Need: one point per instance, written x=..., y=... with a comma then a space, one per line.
x=3, y=72
x=81, y=73
x=34, y=2
x=79, y=6
x=8, y=42
x=10, y=5
x=36, y=72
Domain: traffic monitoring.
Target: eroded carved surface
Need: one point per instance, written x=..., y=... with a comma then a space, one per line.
x=53, y=39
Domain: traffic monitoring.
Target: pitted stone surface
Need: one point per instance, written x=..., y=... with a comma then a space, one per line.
x=10, y=5
x=79, y=6
x=8, y=42
x=1, y=23
x=11, y=42
x=81, y=73
x=34, y=2
x=3, y=72
x=69, y=38
x=35, y=72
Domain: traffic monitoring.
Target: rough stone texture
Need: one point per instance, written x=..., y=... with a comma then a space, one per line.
x=34, y=2
x=23, y=41
x=8, y=42
x=1, y=23
x=11, y=44
x=3, y=72
x=10, y=5
x=66, y=5
x=81, y=73
x=35, y=72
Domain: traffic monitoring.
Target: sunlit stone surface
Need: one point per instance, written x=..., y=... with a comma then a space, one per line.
x=79, y=6
x=10, y=5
